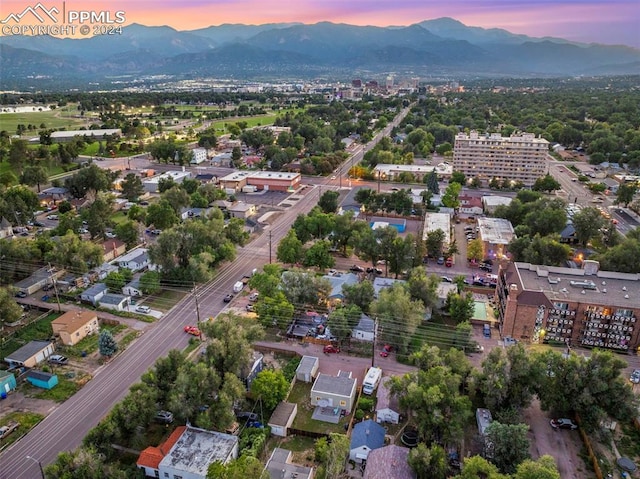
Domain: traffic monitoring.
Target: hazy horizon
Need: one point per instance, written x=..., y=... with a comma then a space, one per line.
x=608, y=22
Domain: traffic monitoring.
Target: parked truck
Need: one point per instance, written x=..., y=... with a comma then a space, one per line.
x=238, y=286
x=371, y=380
x=8, y=429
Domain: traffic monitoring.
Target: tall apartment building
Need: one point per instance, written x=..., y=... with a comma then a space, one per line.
x=585, y=307
x=518, y=157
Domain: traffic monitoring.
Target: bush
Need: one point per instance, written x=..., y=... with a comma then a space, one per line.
x=359, y=414
x=289, y=369
x=366, y=404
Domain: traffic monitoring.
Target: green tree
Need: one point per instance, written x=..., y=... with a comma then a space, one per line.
x=336, y=455
x=161, y=215
x=290, y=248
x=97, y=215
x=587, y=224
x=451, y=194
x=460, y=306
x=87, y=182
x=543, y=468
x=271, y=387
x=343, y=320
x=10, y=311
x=329, y=201
x=475, y=250
x=509, y=445
x=191, y=389
x=319, y=255
x=107, y=344
x=546, y=183
x=434, y=243
x=422, y=287
x=70, y=251
x=128, y=232
x=115, y=281
x=399, y=316
x=304, y=289
x=34, y=176
x=428, y=462
x=476, y=467
x=177, y=197
x=624, y=195
x=131, y=187
x=82, y=463
x=360, y=294
x=275, y=310
x=150, y=282
x=18, y=203
x=458, y=177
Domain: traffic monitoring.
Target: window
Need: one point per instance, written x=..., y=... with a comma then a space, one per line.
x=166, y=474
x=343, y=403
x=175, y=476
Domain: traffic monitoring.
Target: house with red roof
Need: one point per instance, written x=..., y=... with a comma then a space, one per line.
x=150, y=458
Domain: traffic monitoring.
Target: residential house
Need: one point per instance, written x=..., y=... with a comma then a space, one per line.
x=334, y=391
x=282, y=418
x=43, y=380
x=135, y=260
x=307, y=369
x=568, y=235
x=389, y=462
x=337, y=281
x=187, y=213
x=243, y=210
x=31, y=354
x=442, y=292
x=206, y=178
x=116, y=302
x=387, y=405
x=470, y=205
x=94, y=293
x=491, y=203
x=365, y=437
x=7, y=383
x=222, y=159
x=188, y=453
x=611, y=184
x=280, y=466
x=132, y=288
x=252, y=369
x=75, y=325
x=381, y=283
x=113, y=248
x=38, y=279
x=6, y=229
x=365, y=329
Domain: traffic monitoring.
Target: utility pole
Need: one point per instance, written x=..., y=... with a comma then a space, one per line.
x=55, y=288
x=195, y=296
x=269, y=246
x=373, y=344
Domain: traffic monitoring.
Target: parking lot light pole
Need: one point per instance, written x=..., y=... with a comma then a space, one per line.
x=39, y=465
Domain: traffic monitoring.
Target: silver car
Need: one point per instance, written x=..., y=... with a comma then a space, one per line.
x=635, y=376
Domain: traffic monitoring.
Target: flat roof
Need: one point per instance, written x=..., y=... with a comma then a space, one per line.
x=111, y=298
x=282, y=413
x=280, y=466
x=603, y=288
x=307, y=363
x=72, y=133
x=274, y=175
x=495, y=230
x=338, y=385
x=437, y=221
x=197, y=448
x=175, y=175
x=491, y=200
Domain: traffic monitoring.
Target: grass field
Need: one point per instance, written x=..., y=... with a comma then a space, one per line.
x=54, y=119
x=40, y=329
x=27, y=420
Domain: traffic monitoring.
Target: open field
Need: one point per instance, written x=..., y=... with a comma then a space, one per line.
x=53, y=119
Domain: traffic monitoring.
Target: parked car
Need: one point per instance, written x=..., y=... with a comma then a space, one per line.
x=143, y=309
x=52, y=217
x=563, y=423
x=47, y=287
x=164, y=417
x=228, y=298
x=440, y=260
x=249, y=416
x=250, y=308
x=58, y=359
x=330, y=349
x=509, y=341
x=357, y=269
x=635, y=376
x=110, y=234
x=193, y=330
x=8, y=429
x=486, y=267
x=446, y=279
x=21, y=294
x=253, y=297
x=386, y=350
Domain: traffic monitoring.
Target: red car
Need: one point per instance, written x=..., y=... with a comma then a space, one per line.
x=192, y=330
x=386, y=350
x=330, y=348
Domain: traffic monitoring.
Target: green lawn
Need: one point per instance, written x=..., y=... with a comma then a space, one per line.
x=90, y=344
x=27, y=420
x=65, y=388
x=54, y=119
x=165, y=300
x=40, y=329
x=300, y=395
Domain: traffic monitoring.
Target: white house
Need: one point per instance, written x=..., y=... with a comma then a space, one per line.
x=94, y=293
x=334, y=391
x=365, y=437
x=282, y=418
x=307, y=369
x=117, y=302
x=387, y=406
x=199, y=156
x=365, y=330
x=132, y=288
x=135, y=260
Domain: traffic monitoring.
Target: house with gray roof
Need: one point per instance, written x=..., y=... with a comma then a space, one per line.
x=381, y=283
x=94, y=294
x=280, y=465
x=334, y=391
x=307, y=369
x=365, y=329
x=38, y=279
x=6, y=230
x=195, y=450
x=118, y=302
x=31, y=354
x=132, y=288
x=282, y=418
x=387, y=404
x=134, y=260
x=337, y=281
x=389, y=462
x=365, y=437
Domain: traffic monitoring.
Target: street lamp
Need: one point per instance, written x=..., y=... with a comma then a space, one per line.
x=39, y=465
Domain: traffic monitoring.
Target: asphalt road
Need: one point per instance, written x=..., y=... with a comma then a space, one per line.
x=65, y=427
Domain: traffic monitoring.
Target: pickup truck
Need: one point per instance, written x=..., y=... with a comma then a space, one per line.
x=8, y=429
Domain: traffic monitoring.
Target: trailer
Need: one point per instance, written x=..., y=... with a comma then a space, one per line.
x=371, y=380
x=238, y=286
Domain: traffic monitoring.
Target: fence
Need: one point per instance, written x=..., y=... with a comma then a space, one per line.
x=592, y=455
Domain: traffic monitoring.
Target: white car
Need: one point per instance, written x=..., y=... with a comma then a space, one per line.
x=109, y=234
x=52, y=217
x=143, y=309
x=635, y=376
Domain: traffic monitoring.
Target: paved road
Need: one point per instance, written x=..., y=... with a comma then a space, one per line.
x=67, y=425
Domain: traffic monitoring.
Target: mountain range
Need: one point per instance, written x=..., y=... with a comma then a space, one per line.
x=442, y=47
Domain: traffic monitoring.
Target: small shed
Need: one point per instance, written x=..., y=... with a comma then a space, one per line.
x=43, y=380
x=30, y=354
x=7, y=383
x=387, y=406
x=282, y=418
x=307, y=369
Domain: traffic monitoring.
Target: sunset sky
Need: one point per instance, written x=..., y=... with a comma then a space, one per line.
x=610, y=22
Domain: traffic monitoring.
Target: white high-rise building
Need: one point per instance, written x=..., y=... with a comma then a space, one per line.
x=518, y=157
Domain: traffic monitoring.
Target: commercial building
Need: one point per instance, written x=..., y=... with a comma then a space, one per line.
x=585, y=306
x=438, y=221
x=262, y=180
x=495, y=234
x=87, y=135
x=387, y=172
x=518, y=157
x=151, y=184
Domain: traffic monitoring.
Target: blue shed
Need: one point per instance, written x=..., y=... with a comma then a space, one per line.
x=7, y=383
x=41, y=379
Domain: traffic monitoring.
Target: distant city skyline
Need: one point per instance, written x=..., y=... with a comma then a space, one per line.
x=608, y=22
